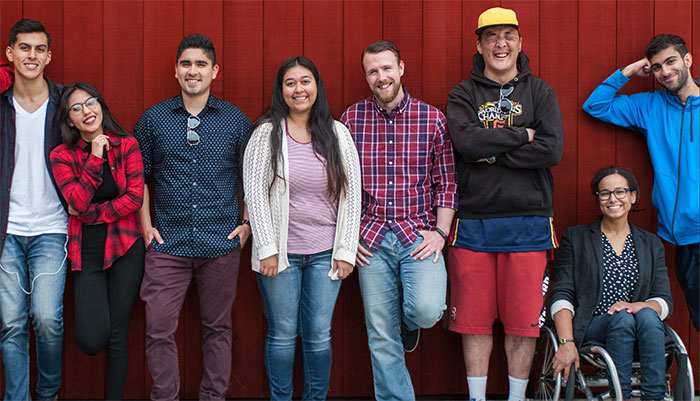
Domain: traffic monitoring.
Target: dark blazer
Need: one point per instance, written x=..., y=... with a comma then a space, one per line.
x=579, y=272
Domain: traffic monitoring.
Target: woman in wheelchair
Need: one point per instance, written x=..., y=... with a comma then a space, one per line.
x=611, y=287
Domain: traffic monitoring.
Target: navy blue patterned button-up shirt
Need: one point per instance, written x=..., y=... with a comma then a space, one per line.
x=196, y=187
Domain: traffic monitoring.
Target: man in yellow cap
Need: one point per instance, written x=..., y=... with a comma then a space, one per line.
x=507, y=130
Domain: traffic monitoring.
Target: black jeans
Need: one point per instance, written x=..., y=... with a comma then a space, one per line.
x=687, y=266
x=104, y=300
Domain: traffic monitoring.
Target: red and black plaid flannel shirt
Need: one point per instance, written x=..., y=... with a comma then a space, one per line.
x=78, y=174
x=407, y=164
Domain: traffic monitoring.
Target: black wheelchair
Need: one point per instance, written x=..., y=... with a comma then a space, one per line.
x=595, y=365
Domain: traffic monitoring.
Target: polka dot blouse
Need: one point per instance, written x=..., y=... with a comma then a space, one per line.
x=620, y=276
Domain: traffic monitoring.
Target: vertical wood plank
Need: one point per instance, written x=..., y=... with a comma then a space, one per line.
x=243, y=56
x=528, y=13
x=283, y=37
x=323, y=44
x=596, y=60
x=558, y=41
x=362, y=25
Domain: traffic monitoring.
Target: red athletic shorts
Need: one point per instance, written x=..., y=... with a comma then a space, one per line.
x=505, y=285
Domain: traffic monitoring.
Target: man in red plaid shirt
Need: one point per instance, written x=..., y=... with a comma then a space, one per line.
x=409, y=199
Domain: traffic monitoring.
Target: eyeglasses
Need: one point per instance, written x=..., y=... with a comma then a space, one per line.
x=505, y=105
x=90, y=102
x=620, y=194
x=192, y=136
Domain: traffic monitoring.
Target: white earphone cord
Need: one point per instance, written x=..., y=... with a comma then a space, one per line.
x=31, y=285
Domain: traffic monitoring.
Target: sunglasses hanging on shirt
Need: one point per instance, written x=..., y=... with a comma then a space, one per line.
x=192, y=135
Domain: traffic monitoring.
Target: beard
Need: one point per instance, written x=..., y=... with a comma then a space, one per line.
x=681, y=80
x=387, y=97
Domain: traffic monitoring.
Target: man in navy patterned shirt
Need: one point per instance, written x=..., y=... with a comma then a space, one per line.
x=191, y=144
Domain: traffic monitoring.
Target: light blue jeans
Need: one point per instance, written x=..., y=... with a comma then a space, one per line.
x=34, y=265
x=299, y=301
x=619, y=333
x=398, y=290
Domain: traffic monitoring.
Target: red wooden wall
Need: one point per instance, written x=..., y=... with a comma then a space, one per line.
x=127, y=49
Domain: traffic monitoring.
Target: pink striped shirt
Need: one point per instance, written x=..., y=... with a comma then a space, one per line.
x=312, y=212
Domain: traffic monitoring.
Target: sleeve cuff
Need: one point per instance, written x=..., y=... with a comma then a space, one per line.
x=664, y=307
x=561, y=304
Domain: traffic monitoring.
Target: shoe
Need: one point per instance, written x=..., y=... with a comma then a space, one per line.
x=410, y=338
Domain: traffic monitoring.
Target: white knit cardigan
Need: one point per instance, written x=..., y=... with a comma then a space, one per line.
x=269, y=210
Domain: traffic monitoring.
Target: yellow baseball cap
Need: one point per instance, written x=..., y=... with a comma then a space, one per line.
x=496, y=16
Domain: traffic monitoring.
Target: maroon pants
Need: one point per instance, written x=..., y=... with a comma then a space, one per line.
x=165, y=282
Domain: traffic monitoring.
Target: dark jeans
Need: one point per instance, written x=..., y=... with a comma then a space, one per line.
x=687, y=266
x=104, y=300
x=618, y=333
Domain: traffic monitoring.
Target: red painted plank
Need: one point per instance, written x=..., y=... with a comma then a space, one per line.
x=243, y=56
x=323, y=37
x=634, y=30
x=162, y=32
x=362, y=25
x=10, y=12
x=558, y=41
x=83, y=52
x=596, y=60
x=442, y=50
x=694, y=43
x=50, y=14
x=283, y=37
x=403, y=25
x=207, y=17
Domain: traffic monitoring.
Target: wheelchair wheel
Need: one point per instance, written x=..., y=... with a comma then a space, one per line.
x=683, y=387
x=543, y=386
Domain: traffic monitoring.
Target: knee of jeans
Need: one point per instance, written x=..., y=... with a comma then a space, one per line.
x=48, y=323
x=424, y=314
x=316, y=336
x=647, y=318
x=622, y=321
x=282, y=332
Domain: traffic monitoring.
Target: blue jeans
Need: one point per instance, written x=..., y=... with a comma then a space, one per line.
x=299, y=301
x=618, y=333
x=31, y=284
x=398, y=290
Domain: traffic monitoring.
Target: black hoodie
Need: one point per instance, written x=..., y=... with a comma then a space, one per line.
x=519, y=183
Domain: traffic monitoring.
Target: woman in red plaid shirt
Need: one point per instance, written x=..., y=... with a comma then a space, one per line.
x=98, y=169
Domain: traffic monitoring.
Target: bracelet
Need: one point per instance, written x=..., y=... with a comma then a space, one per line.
x=245, y=221
x=442, y=233
x=563, y=341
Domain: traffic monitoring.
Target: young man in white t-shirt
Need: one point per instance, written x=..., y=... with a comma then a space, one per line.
x=33, y=220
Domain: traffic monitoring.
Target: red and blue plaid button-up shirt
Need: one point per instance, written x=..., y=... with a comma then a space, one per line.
x=78, y=174
x=407, y=164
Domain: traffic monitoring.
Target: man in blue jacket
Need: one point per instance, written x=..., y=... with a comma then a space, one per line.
x=670, y=120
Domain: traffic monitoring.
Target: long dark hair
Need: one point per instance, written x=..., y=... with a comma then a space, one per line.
x=320, y=125
x=71, y=135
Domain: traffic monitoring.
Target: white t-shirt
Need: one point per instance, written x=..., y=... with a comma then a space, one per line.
x=34, y=204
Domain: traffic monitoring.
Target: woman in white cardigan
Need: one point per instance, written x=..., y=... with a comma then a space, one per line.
x=301, y=176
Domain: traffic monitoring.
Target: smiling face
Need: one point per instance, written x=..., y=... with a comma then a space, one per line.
x=29, y=55
x=299, y=89
x=194, y=71
x=383, y=73
x=670, y=69
x=500, y=46
x=614, y=208
x=86, y=119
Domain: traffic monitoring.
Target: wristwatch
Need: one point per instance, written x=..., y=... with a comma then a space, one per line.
x=563, y=341
x=491, y=159
x=442, y=233
x=245, y=221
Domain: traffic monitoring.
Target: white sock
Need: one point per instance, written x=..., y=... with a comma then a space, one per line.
x=516, y=388
x=477, y=387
